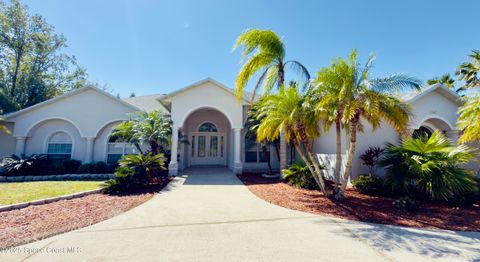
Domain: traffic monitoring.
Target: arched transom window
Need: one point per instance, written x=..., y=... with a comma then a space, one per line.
x=59, y=146
x=207, y=127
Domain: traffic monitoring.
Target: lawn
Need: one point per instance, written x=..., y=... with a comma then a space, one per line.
x=11, y=193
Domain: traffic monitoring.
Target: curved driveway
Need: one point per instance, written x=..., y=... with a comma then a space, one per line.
x=209, y=215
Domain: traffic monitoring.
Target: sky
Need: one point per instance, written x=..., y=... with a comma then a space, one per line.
x=150, y=47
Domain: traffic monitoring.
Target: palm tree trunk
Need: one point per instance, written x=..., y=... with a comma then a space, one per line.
x=307, y=162
x=283, y=152
x=338, y=161
x=311, y=156
x=351, y=151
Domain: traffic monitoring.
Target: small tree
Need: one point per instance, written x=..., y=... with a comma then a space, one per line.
x=370, y=158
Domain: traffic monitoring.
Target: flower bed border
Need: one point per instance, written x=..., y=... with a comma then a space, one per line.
x=56, y=177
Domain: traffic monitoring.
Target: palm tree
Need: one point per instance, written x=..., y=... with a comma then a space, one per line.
x=291, y=113
x=264, y=53
x=469, y=120
x=429, y=163
x=145, y=166
x=150, y=128
x=445, y=80
x=348, y=95
x=468, y=71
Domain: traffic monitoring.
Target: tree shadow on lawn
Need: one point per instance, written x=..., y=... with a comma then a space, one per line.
x=430, y=243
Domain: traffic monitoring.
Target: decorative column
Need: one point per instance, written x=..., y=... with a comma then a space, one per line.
x=237, y=160
x=453, y=135
x=89, y=149
x=20, y=146
x=173, y=166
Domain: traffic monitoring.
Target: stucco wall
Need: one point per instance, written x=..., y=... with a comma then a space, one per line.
x=434, y=105
x=7, y=142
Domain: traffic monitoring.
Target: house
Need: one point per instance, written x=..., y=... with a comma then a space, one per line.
x=78, y=125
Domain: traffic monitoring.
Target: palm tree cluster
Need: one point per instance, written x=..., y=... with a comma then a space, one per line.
x=343, y=94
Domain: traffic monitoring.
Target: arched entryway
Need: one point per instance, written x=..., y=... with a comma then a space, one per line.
x=431, y=124
x=208, y=132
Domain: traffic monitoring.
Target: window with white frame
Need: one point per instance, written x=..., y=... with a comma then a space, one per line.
x=254, y=152
x=59, y=146
x=116, y=149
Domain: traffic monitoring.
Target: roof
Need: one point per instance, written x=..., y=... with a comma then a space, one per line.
x=410, y=97
x=147, y=103
x=64, y=96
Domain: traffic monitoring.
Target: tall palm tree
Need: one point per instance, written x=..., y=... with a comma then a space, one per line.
x=291, y=113
x=264, y=53
x=349, y=95
x=469, y=71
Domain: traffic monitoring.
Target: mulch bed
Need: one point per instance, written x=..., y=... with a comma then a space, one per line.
x=33, y=223
x=365, y=208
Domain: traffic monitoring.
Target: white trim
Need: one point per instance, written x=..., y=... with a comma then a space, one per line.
x=51, y=118
x=453, y=96
x=185, y=117
x=419, y=124
x=66, y=95
x=109, y=122
x=49, y=136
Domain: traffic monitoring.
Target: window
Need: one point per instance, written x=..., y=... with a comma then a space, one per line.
x=59, y=146
x=254, y=152
x=207, y=127
x=116, y=149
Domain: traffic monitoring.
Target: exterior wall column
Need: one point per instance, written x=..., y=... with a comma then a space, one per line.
x=20, y=146
x=89, y=149
x=453, y=135
x=237, y=160
x=173, y=166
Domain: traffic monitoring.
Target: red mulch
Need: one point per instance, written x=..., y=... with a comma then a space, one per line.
x=365, y=208
x=33, y=223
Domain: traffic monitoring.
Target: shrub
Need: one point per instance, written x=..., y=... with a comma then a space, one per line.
x=369, y=185
x=406, y=204
x=298, y=175
x=371, y=157
x=20, y=166
x=93, y=168
x=134, y=172
x=71, y=166
x=431, y=165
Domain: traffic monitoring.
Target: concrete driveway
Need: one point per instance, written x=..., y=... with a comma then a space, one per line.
x=209, y=215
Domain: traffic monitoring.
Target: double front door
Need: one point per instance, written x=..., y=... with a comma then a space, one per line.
x=207, y=149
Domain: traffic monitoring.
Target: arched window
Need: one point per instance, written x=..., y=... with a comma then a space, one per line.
x=117, y=148
x=59, y=146
x=422, y=131
x=255, y=153
x=207, y=127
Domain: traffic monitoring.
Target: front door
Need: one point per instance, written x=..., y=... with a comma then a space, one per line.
x=207, y=148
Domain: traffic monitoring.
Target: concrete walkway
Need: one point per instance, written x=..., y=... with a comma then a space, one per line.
x=209, y=215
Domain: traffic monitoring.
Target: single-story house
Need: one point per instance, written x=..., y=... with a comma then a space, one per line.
x=78, y=125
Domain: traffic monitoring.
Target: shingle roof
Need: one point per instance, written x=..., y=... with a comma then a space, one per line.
x=147, y=103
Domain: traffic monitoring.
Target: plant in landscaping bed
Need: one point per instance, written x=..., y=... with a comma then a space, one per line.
x=370, y=158
x=18, y=166
x=369, y=185
x=406, y=204
x=71, y=166
x=135, y=171
x=430, y=165
x=93, y=168
x=299, y=175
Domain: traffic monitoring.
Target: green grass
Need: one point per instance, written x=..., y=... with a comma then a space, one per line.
x=12, y=193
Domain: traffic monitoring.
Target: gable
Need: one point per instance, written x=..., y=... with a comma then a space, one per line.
x=435, y=104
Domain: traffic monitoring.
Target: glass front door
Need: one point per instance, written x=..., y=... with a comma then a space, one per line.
x=207, y=149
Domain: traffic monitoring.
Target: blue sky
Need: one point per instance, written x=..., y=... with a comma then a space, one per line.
x=147, y=46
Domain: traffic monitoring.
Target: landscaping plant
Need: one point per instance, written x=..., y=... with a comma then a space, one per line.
x=369, y=185
x=20, y=166
x=370, y=158
x=298, y=175
x=430, y=165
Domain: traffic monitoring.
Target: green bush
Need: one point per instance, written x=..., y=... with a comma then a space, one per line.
x=369, y=185
x=431, y=165
x=93, y=168
x=71, y=166
x=135, y=172
x=21, y=166
x=298, y=175
x=406, y=204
